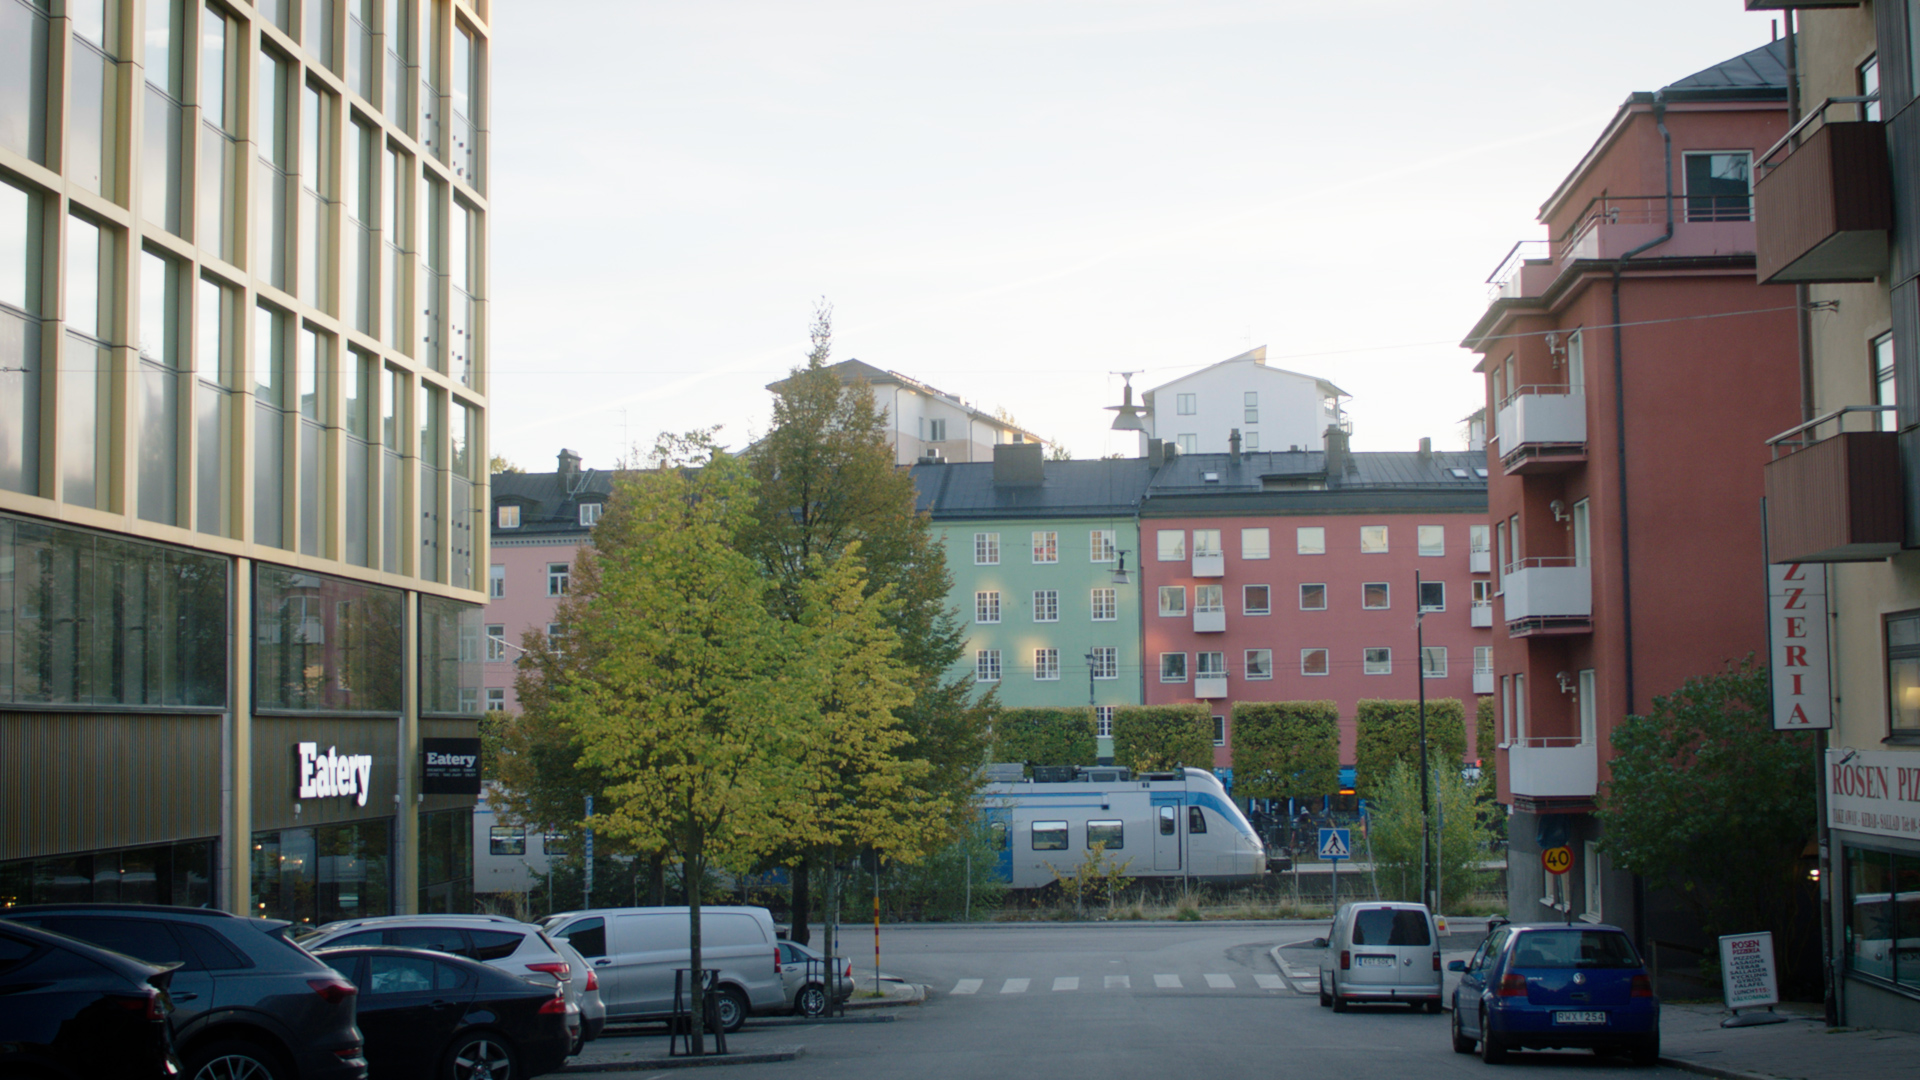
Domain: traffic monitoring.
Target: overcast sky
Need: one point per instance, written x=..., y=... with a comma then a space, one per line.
x=1011, y=199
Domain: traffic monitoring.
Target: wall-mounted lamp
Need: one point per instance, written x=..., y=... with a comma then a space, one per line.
x=1567, y=684
x=1559, y=510
x=1851, y=754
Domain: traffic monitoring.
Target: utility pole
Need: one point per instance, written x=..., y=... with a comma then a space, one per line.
x=1420, y=672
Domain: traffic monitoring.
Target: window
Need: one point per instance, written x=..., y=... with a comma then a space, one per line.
x=1254, y=543
x=1482, y=593
x=1433, y=539
x=1187, y=444
x=1168, y=822
x=1255, y=599
x=1483, y=660
x=1520, y=709
x=1210, y=665
x=1373, y=539
x=1106, y=604
x=1259, y=663
x=1589, y=710
x=496, y=581
x=1883, y=383
x=937, y=430
x=1046, y=665
x=1173, y=667
x=1100, y=546
x=1196, y=818
x=1173, y=600
x=1313, y=597
x=1433, y=662
x=1310, y=540
x=1506, y=709
x=1313, y=661
x=506, y=840
x=1105, y=663
x=1500, y=552
x=1208, y=599
x=1717, y=186
x=1251, y=406
x=554, y=633
x=1206, y=542
x=1185, y=405
x=496, y=643
x=1882, y=919
x=1103, y=721
x=986, y=665
x=1173, y=545
x=590, y=513
x=1377, y=662
x=1046, y=547
x=986, y=606
x=1219, y=739
x=1374, y=595
x=1049, y=836
x=558, y=578
x=1046, y=605
x=509, y=516
x=496, y=699
x=986, y=549
x=1903, y=673
x=1433, y=596
x=1250, y=441
x=1110, y=835
x=1868, y=83
x=1582, y=534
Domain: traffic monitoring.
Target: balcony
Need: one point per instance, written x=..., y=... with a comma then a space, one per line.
x=1838, y=498
x=1209, y=564
x=1542, y=429
x=1824, y=208
x=1480, y=561
x=1553, y=768
x=1482, y=614
x=1547, y=596
x=1609, y=226
x=1483, y=680
x=1210, y=622
x=1210, y=687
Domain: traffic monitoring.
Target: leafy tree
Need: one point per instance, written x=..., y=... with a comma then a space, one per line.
x=1151, y=738
x=1039, y=736
x=1059, y=451
x=1711, y=804
x=1390, y=732
x=1393, y=832
x=1485, y=740
x=498, y=463
x=1285, y=749
x=958, y=881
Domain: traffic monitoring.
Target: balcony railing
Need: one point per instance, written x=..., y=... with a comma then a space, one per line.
x=1836, y=498
x=1210, y=622
x=1480, y=561
x=1542, y=429
x=1547, y=596
x=1482, y=613
x=1209, y=564
x=1483, y=680
x=1609, y=226
x=1210, y=687
x=1824, y=201
x=1553, y=767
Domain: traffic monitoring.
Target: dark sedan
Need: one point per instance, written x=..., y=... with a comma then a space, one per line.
x=77, y=1010
x=1555, y=985
x=432, y=1014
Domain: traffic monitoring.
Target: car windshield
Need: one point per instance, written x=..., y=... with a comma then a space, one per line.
x=1574, y=949
x=1390, y=926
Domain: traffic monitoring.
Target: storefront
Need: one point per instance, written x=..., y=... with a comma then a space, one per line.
x=1873, y=808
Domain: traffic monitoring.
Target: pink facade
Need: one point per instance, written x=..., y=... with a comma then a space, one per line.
x=523, y=602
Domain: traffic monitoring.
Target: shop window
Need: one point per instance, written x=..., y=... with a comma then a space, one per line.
x=1882, y=916
x=450, y=672
x=446, y=862
x=181, y=874
x=319, y=875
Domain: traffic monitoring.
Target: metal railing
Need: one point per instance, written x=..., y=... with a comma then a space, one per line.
x=1801, y=436
x=1540, y=390
x=1538, y=562
x=1550, y=742
x=1819, y=113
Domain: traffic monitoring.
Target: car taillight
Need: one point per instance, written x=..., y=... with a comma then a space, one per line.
x=776, y=961
x=1346, y=960
x=1512, y=985
x=150, y=1005
x=593, y=981
x=559, y=969
x=555, y=1004
x=1436, y=961
x=849, y=969
x=334, y=990
x=1642, y=987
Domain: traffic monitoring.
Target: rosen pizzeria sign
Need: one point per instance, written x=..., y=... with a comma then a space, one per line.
x=1874, y=792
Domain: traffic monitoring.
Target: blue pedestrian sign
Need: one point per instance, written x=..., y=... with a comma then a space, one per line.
x=1336, y=844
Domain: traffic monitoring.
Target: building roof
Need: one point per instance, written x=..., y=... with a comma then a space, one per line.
x=1189, y=474
x=549, y=502
x=861, y=371
x=1257, y=355
x=1765, y=66
x=1106, y=487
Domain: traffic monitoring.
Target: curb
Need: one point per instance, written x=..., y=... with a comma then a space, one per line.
x=1287, y=972
x=916, y=993
x=758, y=1057
x=809, y=1021
x=1713, y=1070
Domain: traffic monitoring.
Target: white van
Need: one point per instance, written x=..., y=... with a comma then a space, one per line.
x=1380, y=951
x=634, y=952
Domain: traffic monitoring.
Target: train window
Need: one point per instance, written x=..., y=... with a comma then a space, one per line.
x=1049, y=836
x=1166, y=821
x=1111, y=833
x=998, y=832
x=1196, y=821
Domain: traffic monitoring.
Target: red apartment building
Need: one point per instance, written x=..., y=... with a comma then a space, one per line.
x=1633, y=370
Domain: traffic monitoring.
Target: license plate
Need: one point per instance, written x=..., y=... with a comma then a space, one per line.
x=1373, y=961
x=1579, y=1018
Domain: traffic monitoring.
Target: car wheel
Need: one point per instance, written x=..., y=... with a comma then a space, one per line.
x=482, y=1055
x=1433, y=1005
x=1339, y=1003
x=730, y=1009
x=1326, y=999
x=810, y=1001
x=233, y=1059
x=1493, y=1049
x=1646, y=1052
x=1461, y=1044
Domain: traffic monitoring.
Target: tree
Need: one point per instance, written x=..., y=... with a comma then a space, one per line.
x=1154, y=738
x=1390, y=732
x=1708, y=802
x=1393, y=833
x=499, y=464
x=1059, y=451
x=1285, y=749
x=1038, y=736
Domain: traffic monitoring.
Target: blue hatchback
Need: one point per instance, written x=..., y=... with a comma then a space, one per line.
x=1551, y=985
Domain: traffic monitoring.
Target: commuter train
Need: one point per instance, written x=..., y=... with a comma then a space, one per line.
x=1178, y=825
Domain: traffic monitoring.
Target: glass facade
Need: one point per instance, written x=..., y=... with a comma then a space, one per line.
x=318, y=875
x=180, y=873
x=446, y=862
x=325, y=644
x=1882, y=918
x=450, y=657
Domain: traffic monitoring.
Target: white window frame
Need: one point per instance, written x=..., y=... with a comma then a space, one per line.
x=1250, y=407
x=509, y=516
x=1170, y=545
x=1246, y=600
x=1106, y=662
x=1259, y=664
x=1046, y=605
x=1103, y=721
x=1168, y=612
x=1046, y=665
x=1304, y=586
x=1186, y=404
x=986, y=549
x=590, y=513
x=1483, y=659
x=1256, y=543
x=1376, y=660
x=1209, y=599
x=1589, y=709
x=986, y=607
x=1373, y=540
x=496, y=581
x=1520, y=709
x=1426, y=586
x=1326, y=663
x=496, y=699
x=1102, y=546
x=986, y=665
x=1433, y=662
x=937, y=429
x=1595, y=880
x=1167, y=676
x=1310, y=540
x=1210, y=665
x=1187, y=443
x=1477, y=538
x=554, y=633
x=1219, y=732
x=1046, y=547
x=496, y=642
x=1386, y=588
x=559, y=578
x=1432, y=540
x=1207, y=542
x=1249, y=441
x=1106, y=604
x=1506, y=710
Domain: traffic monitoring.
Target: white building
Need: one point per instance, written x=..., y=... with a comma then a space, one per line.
x=1272, y=408
x=924, y=422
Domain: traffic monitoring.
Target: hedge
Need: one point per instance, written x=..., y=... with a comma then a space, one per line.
x=1390, y=732
x=1041, y=736
x=1153, y=738
x=1285, y=749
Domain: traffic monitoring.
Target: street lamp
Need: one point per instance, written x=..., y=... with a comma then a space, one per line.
x=1420, y=672
x=1120, y=572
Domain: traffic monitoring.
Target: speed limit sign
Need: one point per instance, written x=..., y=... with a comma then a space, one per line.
x=1557, y=860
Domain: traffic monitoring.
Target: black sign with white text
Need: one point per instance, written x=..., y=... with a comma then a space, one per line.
x=450, y=766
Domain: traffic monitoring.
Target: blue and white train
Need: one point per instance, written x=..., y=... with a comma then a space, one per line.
x=1179, y=825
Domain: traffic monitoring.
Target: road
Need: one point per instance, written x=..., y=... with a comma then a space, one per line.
x=1123, y=1000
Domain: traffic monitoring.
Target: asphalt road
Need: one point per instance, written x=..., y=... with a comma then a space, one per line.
x=1117, y=1001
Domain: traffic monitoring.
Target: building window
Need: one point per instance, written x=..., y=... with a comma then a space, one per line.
x=1310, y=540
x=1903, y=673
x=1100, y=546
x=1103, y=721
x=1046, y=547
x=1173, y=667
x=496, y=699
x=1373, y=539
x=1594, y=875
x=496, y=581
x=1251, y=407
x=1173, y=600
x=590, y=513
x=554, y=633
x=986, y=549
x=1868, y=82
x=1718, y=187
x=1313, y=661
x=1259, y=663
x=1433, y=662
x=1219, y=739
x=1106, y=605
x=1106, y=662
x=936, y=429
x=509, y=517
x=1377, y=662
x=986, y=606
x=1433, y=539
x=1206, y=542
x=1483, y=660
x=1254, y=543
x=1209, y=599
x=1883, y=383
x=1046, y=605
x=558, y=578
x=1210, y=665
x=496, y=643
x=1433, y=596
x=1881, y=918
x=1188, y=444
x=1374, y=596
x=1589, y=709
x=1172, y=544
x=1255, y=599
x=506, y=840
x=1046, y=664
x=324, y=644
x=1185, y=404
x=1477, y=539
x=1482, y=593
x=1250, y=441
x=1313, y=597
x=986, y=665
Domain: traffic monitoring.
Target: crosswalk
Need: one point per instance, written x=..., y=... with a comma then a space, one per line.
x=1164, y=981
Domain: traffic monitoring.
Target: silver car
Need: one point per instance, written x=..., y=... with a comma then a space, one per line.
x=803, y=974
x=1382, y=952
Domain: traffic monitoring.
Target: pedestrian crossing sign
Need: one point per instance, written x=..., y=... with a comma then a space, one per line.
x=1336, y=843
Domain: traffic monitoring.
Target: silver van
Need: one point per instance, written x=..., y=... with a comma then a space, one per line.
x=1380, y=951
x=635, y=951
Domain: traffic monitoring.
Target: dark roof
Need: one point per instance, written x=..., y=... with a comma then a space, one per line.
x=1765, y=66
x=1408, y=470
x=549, y=502
x=1100, y=488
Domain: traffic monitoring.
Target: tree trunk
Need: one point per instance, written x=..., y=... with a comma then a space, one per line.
x=694, y=866
x=657, y=879
x=802, y=901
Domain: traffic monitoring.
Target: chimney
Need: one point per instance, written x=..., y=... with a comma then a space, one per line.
x=1156, y=453
x=1018, y=465
x=1426, y=449
x=569, y=464
x=1338, y=456
x=1233, y=446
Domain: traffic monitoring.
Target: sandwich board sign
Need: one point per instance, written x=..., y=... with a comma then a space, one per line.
x=1748, y=975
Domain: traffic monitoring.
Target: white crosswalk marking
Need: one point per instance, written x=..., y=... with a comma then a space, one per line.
x=1067, y=982
x=1220, y=982
x=1015, y=986
x=1119, y=981
x=967, y=986
x=1167, y=982
x=1270, y=982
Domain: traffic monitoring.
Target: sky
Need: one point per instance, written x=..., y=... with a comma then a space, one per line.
x=1012, y=200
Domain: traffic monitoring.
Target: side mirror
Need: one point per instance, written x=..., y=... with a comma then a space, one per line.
x=1319, y=943
x=1456, y=965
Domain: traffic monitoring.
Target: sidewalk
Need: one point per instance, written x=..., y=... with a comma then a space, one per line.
x=1803, y=1048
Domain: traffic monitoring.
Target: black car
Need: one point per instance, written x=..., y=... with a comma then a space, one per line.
x=433, y=1014
x=80, y=1011
x=249, y=1004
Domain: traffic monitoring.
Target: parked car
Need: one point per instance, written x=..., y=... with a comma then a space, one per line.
x=431, y=1014
x=249, y=1004
x=803, y=978
x=1381, y=951
x=637, y=950
x=515, y=947
x=1553, y=985
x=77, y=1010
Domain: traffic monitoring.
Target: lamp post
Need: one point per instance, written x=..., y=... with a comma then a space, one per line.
x=1420, y=672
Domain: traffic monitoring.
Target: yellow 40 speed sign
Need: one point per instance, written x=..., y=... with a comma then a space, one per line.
x=1557, y=860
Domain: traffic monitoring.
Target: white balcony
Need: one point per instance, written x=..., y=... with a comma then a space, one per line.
x=1482, y=614
x=1542, y=429
x=1480, y=562
x=1483, y=681
x=1210, y=687
x=1546, y=596
x=1210, y=622
x=1554, y=768
x=1209, y=565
